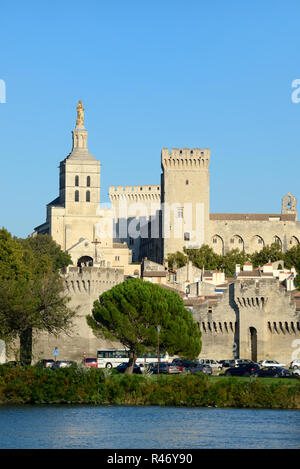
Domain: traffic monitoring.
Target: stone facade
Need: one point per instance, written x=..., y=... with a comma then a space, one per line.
x=76, y=220
x=84, y=286
x=253, y=319
x=184, y=218
x=256, y=313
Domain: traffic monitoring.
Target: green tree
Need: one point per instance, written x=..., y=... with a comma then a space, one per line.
x=233, y=257
x=292, y=258
x=176, y=260
x=270, y=253
x=43, y=246
x=31, y=292
x=204, y=257
x=297, y=282
x=130, y=313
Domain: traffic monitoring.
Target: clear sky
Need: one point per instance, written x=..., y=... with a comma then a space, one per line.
x=151, y=74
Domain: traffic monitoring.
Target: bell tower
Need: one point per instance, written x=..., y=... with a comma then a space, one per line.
x=79, y=182
x=289, y=205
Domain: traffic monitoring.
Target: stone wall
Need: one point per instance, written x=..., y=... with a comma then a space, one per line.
x=84, y=288
x=261, y=306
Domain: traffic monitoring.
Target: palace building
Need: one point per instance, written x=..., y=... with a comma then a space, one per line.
x=256, y=313
x=155, y=220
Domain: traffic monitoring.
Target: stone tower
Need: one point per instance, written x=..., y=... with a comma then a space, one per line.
x=72, y=216
x=185, y=198
x=79, y=182
x=289, y=204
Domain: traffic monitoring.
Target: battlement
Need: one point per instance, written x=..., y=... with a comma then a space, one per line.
x=91, y=280
x=135, y=193
x=185, y=158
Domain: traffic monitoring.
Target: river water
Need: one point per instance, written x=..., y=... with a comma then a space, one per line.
x=113, y=427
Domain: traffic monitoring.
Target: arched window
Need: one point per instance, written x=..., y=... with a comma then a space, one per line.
x=218, y=244
x=277, y=240
x=76, y=196
x=294, y=241
x=237, y=242
x=76, y=181
x=88, y=181
x=88, y=196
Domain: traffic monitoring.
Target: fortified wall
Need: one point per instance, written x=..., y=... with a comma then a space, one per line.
x=256, y=318
x=132, y=208
x=84, y=286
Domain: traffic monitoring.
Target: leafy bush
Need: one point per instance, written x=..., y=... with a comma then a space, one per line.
x=32, y=385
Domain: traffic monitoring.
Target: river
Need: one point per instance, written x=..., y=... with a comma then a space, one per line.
x=113, y=427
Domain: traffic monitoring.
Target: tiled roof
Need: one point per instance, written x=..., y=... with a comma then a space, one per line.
x=252, y=273
x=154, y=273
x=252, y=216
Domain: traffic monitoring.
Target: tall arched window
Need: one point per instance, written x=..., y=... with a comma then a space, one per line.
x=76, y=196
x=88, y=196
x=77, y=181
x=88, y=181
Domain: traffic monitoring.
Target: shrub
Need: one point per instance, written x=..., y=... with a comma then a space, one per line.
x=32, y=385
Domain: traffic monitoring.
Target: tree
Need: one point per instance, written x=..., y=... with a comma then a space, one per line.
x=130, y=313
x=297, y=282
x=43, y=246
x=204, y=257
x=292, y=258
x=231, y=258
x=268, y=253
x=176, y=260
x=31, y=291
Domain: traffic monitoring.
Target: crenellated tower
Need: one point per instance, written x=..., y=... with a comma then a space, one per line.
x=185, y=198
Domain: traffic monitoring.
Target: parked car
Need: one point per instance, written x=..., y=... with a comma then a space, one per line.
x=122, y=367
x=226, y=363
x=272, y=372
x=206, y=369
x=45, y=363
x=247, y=369
x=165, y=368
x=242, y=361
x=212, y=363
x=183, y=364
x=62, y=364
x=295, y=364
x=90, y=362
x=296, y=372
x=264, y=363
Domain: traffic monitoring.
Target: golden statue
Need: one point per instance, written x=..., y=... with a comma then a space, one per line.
x=80, y=109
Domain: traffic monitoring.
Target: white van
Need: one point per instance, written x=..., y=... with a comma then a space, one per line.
x=295, y=364
x=212, y=363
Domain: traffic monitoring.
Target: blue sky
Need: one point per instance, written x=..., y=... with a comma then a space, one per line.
x=151, y=74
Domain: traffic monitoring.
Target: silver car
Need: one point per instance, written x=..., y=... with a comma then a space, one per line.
x=212, y=363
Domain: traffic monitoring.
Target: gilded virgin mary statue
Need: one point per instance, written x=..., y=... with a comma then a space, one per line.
x=80, y=109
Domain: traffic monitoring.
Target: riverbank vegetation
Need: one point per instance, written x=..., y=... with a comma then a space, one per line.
x=78, y=385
